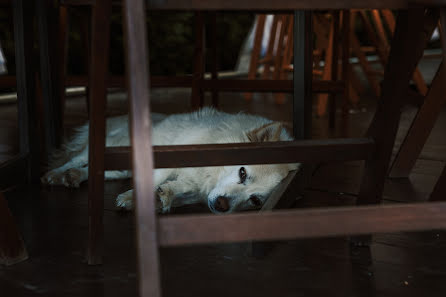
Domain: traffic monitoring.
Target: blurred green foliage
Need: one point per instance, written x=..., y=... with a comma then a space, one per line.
x=170, y=36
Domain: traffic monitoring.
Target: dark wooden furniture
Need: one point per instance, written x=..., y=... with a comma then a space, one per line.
x=25, y=166
x=425, y=118
x=428, y=112
x=12, y=248
x=407, y=46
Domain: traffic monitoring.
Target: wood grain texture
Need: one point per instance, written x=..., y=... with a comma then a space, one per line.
x=26, y=89
x=47, y=22
x=319, y=222
x=421, y=127
x=311, y=151
x=302, y=74
x=138, y=74
x=100, y=36
x=402, y=63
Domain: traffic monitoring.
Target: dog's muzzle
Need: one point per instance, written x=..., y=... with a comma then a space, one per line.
x=221, y=204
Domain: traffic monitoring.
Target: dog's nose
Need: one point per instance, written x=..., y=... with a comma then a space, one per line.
x=222, y=204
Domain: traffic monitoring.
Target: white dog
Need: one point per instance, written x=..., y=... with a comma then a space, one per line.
x=225, y=188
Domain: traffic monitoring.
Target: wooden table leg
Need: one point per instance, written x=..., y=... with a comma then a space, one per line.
x=137, y=78
x=421, y=127
x=439, y=191
x=12, y=248
x=407, y=48
x=302, y=75
x=26, y=105
x=100, y=35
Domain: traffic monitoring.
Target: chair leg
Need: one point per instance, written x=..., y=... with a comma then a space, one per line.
x=256, y=49
x=12, y=248
x=279, y=98
x=197, y=96
x=356, y=47
x=146, y=219
x=85, y=17
x=347, y=74
x=417, y=77
x=47, y=22
x=26, y=106
x=62, y=54
x=302, y=74
x=270, y=50
x=322, y=99
x=334, y=67
x=98, y=90
x=214, y=56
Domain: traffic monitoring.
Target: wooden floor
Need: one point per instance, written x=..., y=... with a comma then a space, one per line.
x=54, y=225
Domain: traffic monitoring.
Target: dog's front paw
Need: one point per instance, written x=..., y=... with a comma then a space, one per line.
x=165, y=198
x=125, y=200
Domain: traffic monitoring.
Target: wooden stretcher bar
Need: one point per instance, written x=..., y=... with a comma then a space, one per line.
x=308, y=151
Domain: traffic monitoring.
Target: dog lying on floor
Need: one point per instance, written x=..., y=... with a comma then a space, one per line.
x=224, y=189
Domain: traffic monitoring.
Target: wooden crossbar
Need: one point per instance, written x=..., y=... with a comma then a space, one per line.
x=268, y=85
x=309, y=151
x=257, y=5
x=223, y=85
x=201, y=229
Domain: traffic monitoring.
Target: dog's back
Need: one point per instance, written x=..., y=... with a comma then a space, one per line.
x=206, y=126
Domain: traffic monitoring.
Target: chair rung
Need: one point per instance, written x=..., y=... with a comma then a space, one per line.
x=293, y=224
x=308, y=151
x=224, y=85
x=269, y=85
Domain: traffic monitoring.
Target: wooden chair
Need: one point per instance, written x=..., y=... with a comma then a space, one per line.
x=376, y=23
x=277, y=63
x=376, y=149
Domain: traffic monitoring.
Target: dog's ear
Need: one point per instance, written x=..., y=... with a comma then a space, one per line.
x=266, y=133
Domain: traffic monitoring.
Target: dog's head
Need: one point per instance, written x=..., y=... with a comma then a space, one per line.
x=249, y=186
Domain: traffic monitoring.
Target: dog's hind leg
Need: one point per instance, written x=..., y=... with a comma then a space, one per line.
x=70, y=174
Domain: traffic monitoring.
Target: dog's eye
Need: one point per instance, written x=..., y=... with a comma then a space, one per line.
x=242, y=174
x=255, y=200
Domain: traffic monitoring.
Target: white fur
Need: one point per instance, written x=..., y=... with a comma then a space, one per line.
x=180, y=186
